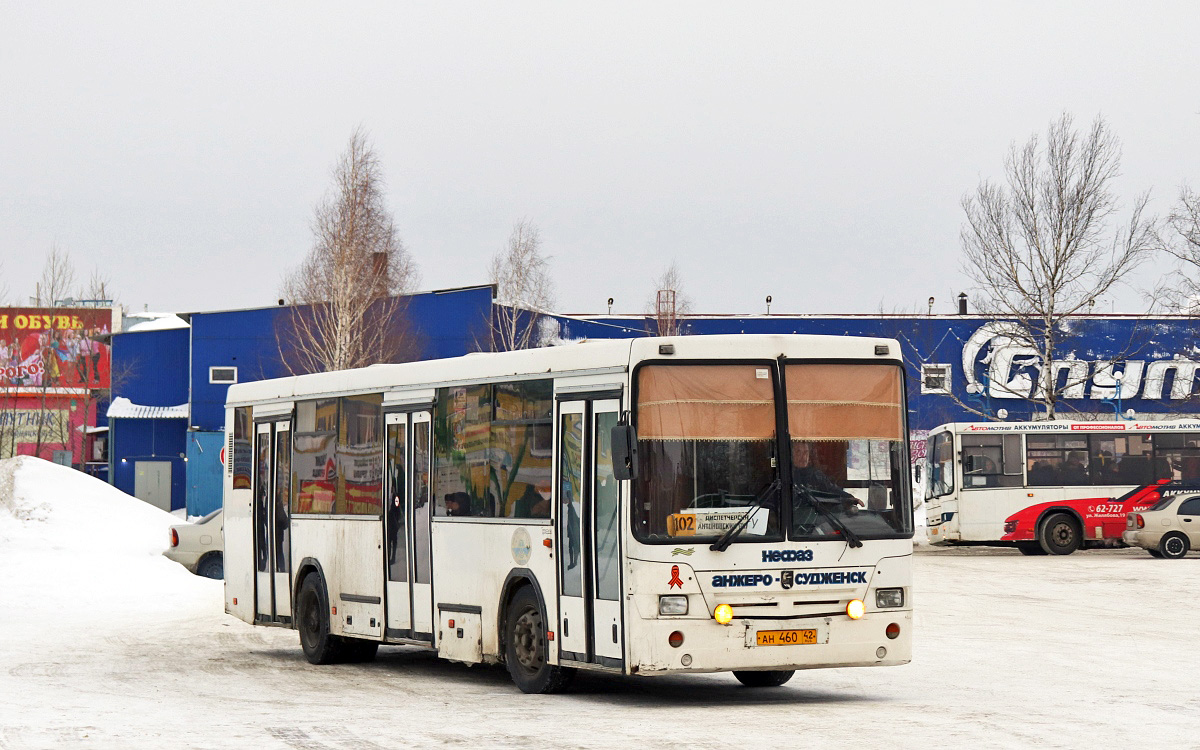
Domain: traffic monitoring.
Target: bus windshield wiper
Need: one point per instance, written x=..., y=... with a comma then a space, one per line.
x=726, y=538
x=851, y=538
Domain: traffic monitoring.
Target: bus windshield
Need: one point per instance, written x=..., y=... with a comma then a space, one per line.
x=707, y=444
x=706, y=438
x=939, y=465
x=849, y=458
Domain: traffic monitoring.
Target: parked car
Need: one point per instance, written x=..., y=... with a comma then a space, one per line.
x=1063, y=526
x=199, y=546
x=1168, y=529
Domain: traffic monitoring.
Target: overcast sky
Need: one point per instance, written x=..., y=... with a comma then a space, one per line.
x=814, y=152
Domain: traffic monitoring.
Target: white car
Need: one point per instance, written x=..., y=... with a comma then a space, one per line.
x=1169, y=528
x=200, y=546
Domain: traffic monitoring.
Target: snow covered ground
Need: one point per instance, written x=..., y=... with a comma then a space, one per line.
x=106, y=644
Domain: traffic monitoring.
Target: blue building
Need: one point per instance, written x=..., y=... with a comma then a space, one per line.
x=169, y=386
x=168, y=416
x=973, y=368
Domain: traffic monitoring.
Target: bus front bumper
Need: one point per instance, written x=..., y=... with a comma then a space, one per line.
x=710, y=647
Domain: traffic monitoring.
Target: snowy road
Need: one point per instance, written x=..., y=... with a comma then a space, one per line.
x=130, y=651
x=1011, y=651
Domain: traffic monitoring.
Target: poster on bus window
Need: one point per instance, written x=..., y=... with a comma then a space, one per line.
x=44, y=348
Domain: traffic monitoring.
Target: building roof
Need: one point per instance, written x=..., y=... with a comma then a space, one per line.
x=123, y=408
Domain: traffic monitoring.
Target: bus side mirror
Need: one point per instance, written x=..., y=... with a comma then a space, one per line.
x=624, y=451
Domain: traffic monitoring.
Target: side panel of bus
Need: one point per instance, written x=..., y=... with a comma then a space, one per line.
x=472, y=561
x=350, y=553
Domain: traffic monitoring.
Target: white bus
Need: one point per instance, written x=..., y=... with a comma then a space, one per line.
x=1051, y=487
x=644, y=506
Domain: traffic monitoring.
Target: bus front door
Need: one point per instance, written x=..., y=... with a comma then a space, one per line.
x=589, y=536
x=406, y=527
x=272, y=543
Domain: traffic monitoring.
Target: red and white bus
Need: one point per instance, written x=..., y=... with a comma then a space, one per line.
x=1054, y=485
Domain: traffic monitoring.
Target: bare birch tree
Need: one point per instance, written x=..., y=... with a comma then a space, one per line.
x=524, y=289
x=348, y=312
x=58, y=278
x=1180, y=239
x=669, y=303
x=1044, y=244
x=98, y=287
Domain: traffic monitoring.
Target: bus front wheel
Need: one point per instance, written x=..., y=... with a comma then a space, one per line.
x=773, y=678
x=1060, y=535
x=312, y=620
x=525, y=647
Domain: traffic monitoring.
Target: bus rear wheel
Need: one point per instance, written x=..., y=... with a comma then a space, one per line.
x=525, y=647
x=312, y=620
x=773, y=678
x=1060, y=535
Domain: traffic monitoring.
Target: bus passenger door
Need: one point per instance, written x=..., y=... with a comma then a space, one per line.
x=281, y=540
x=272, y=542
x=264, y=581
x=605, y=520
x=396, y=528
x=573, y=628
x=589, y=534
x=421, y=513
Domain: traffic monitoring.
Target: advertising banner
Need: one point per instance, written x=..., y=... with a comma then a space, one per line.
x=54, y=348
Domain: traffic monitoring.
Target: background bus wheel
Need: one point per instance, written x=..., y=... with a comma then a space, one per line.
x=1030, y=548
x=1060, y=535
x=211, y=567
x=359, y=651
x=1173, y=546
x=525, y=647
x=764, y=679
x=312, y=619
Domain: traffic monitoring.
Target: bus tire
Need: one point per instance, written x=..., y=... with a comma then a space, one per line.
x=1060, y=535
x=772, y=678
x=526, y=647
x=312, y=620
x=1030, y=548
x=1173, y=546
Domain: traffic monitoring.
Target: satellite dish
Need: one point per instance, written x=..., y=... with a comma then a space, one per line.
x=1002, y=413
x=1130, y=413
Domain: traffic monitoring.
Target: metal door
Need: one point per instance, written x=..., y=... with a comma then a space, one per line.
x=397, y=560
x=421, y=513
x=264, y=581
x=604, y=518
x=281, y=537
x=152, y=483
x=272, y=532
x=574, y=629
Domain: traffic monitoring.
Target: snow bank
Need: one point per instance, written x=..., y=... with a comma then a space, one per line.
x=49, y=507
x=79, y=553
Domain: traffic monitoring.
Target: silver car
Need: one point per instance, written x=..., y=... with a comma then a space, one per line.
x=200, y=546
x=1169, y=528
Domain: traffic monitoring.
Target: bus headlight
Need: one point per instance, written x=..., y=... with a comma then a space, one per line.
x=723, y=614
x=889, y=598
x=855, y=609
x=672, y=605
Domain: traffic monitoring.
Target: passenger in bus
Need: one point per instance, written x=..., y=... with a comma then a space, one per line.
x=458, y=504
x=1074, y=469
x=1043, y=474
